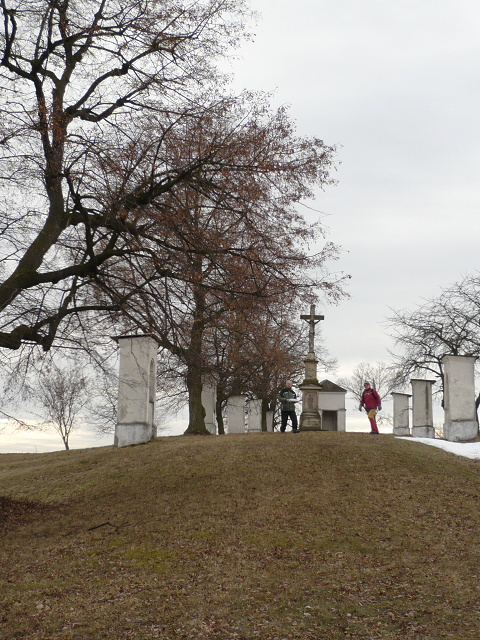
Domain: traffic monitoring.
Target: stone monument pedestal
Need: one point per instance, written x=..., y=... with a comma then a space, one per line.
x=422, y=413
x=236, y=414
x=209, y=396
x=310, y=419
x=459, y=398
x=254, y=415
x=136, y=390
x=270, y=421
x=401, y=414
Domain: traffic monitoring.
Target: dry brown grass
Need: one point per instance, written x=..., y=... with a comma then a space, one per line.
x=272, y=536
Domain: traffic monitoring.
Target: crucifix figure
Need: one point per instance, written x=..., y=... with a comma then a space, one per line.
x=312, y=320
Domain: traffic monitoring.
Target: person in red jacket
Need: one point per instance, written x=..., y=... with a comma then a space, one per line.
x=372, y=402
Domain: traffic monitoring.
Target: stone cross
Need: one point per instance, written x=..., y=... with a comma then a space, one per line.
x=312, y=320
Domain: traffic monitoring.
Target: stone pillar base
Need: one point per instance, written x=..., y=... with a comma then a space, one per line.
x=310, y=419
x=460, y=430
x=423, y=432
x=405, y=431
x=135, y=433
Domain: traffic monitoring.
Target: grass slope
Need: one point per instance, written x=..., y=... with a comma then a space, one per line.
x=272, y=536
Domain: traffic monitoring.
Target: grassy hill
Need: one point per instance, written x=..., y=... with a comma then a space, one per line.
x=262, y=536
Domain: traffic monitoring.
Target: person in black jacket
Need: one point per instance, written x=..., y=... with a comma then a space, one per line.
x=287, y=398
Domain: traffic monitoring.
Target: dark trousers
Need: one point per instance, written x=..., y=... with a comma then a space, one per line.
x=293, y=418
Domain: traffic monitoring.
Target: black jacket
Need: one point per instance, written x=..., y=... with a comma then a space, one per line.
x=285, y=396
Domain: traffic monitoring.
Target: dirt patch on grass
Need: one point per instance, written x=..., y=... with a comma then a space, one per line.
x=16, y=513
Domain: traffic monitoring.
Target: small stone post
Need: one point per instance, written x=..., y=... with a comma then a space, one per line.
x=254, y=415
x=342, y=420
x=236, y=414
x=208, y=402
x=136, y=390
x=422, y=413
x=270, y=421
x=310, y=419
x=401, y=414
x=459, y=398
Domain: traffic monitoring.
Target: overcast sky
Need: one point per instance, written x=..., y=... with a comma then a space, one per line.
x=394, y=84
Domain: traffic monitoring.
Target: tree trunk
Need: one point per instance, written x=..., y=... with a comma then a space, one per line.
x=196, y=411
x=195, y=365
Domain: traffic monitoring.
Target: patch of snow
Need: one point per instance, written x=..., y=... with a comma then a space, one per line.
x=465, y=449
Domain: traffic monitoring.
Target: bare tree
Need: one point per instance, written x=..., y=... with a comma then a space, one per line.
x=143, y=201
x=257, y=351
x=445, y=325
x=91, y=89
x=379, y=374
x=232, y=239
x=62, y=393
x=382, y=378
x=102, y=408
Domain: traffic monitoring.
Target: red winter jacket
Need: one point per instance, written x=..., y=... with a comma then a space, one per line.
x=370, y=399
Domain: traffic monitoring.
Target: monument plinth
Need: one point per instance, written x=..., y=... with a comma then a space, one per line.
x=422, y=413
x=401, y=414
x=136, y=390
x=310, y=419
x=459, y=398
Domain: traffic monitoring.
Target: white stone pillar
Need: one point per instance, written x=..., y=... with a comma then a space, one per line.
x=254, y=415
x=136, y=390
x=401, y=414
x=459, y=398
x=341, y=419
x=270, y=421
x=209, y=395
x=422, y=413
x=236, y=414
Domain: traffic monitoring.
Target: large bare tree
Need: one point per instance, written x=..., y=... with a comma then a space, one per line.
x=90, y=91
x=232, y=238
x=129, y=190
